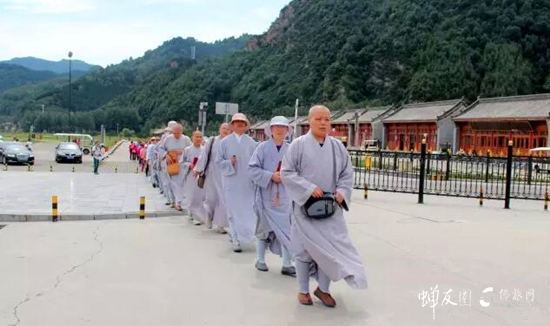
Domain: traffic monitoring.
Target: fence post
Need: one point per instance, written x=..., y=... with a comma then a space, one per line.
x=422, y=172
x=508, y=175
x=487, y=167
x=380, y=157
x=530, y=169
x=448, y=168
x=395, y=161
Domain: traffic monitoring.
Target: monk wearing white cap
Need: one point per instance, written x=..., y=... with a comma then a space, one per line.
x=235, y=152
x=272, y=204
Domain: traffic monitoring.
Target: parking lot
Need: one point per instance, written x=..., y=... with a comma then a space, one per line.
x=45, y=162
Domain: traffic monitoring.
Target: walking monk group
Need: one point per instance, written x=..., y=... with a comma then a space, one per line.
x=288, y=198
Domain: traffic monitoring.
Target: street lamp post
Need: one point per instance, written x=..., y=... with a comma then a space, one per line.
x=70, y=86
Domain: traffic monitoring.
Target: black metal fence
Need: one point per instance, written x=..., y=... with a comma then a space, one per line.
x=502, y=178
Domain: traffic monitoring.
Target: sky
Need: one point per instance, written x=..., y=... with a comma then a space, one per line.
x=108, y=31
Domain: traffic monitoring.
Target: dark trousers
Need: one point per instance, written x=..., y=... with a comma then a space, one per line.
x=96, y=165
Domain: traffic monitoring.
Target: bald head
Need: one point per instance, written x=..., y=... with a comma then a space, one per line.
x=196, y=137
x=177, y=130
x=316, y=109
x=225, y=129
x=319, y=121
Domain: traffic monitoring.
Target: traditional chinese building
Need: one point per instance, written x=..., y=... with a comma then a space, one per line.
x=489, y=123
x=405, y=128
x=369, y=125
x=257, y=130
x=343, y=126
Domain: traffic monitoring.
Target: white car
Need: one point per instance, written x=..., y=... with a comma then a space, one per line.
x=1, y=139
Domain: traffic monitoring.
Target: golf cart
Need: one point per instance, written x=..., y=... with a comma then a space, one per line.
x=85, y=141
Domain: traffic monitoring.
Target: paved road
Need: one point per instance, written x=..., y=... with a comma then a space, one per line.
x=168, y=272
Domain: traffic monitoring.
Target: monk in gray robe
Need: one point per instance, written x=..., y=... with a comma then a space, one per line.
x=164, y=178
x=317, y=163
x=193, y=194
x=176, y=143
x=235, y=152
x=214, y=204
x=272, y=204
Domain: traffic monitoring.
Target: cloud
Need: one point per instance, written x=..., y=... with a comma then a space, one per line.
x=48, y=6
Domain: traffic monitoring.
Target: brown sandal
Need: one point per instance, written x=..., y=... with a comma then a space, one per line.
x=305, y=299
x=325, y=298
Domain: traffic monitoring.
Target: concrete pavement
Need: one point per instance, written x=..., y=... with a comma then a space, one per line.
x=167, y=272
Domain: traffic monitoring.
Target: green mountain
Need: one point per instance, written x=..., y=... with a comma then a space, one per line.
x=12, y=76
x=345, y=53
x=58, y=67
x=92, y=93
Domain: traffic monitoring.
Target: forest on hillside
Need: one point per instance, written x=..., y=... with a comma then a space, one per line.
x=347, y=53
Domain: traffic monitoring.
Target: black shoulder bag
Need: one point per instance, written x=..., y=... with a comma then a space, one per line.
x=325, y=206
x=202, y=177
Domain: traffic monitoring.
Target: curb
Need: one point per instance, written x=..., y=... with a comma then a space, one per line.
x=94, y=217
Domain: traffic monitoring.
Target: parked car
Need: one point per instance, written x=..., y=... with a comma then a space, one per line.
x=1, y=139
x=68, y=152
x=15, y=153
x=85, y=141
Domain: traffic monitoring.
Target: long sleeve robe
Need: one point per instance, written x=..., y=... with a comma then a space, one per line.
x=193, y=194
x=237, y=185
x=176, y=182
x=273, y=215
x=214, y=202
x=325, y=243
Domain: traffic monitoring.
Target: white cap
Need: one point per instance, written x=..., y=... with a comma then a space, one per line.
x=171, y=124
x=277, y=121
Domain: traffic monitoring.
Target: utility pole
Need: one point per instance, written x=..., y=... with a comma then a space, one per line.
x=203, y=108
x=70, y=87
x=296, y=117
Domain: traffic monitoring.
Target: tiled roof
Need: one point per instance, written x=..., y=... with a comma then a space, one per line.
x=372, y=113
x=346, y=116
x=300, y=119
x=511, y=108
x=420, y=112
x=260, y=124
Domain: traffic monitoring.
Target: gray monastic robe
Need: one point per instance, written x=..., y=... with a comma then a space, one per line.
x=176, y=182
x=325, y=243
x=214, y=204
x=193, y=194
x=237, y=185
x=273, y=215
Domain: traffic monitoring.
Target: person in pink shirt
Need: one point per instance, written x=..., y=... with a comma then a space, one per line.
x=131, y=150
x=142, y=151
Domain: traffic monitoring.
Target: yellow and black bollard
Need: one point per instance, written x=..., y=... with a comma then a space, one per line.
x=55, y=214
x=366, y=192
x=116, y=169
x=141, y=208
x=5, y=167
x=51, y=168
x=481, y=196
x=137, y=169
x=546, y=200
x=73, y=169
